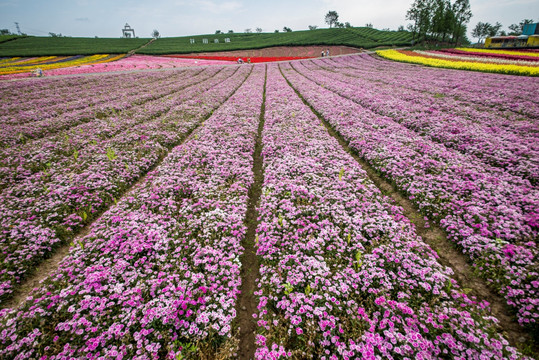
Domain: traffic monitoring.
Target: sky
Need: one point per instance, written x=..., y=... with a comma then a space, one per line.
x=106, y=18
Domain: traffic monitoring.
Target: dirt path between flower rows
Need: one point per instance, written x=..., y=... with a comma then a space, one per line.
x=49, y=265
x=438, y=240
x=250, y=268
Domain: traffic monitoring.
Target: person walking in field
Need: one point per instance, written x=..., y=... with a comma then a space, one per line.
x=327, y=52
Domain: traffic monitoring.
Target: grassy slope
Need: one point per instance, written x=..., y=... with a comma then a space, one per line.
x=5, y=38
x=42, y=46
x=357, y=37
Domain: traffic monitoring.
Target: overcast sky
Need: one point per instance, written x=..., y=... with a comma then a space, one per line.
x=106, y=18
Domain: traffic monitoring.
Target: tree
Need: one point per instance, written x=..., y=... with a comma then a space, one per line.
x=481, y=31
x=313, y=27
x=248, y=31
x=516, y=29
x=5, y=32
x=438, y=27
x=276, y=31
x=217, y=32
x=331, y=18
x=287, y=29
x=339, y=25
x=369, y=25
x=231, y=31
x=55, y=35
x=347, y=25
x=400, y=28
x=462, y=14
x=155, y=34
x=420, y=13
x=258, y=30
x=494, y=30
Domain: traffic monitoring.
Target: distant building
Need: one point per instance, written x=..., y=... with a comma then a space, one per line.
x=128, y=32
x=531, y=29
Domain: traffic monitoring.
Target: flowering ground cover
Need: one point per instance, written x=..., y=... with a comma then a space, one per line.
x=49, y=114
x=508, y=67
x=518, y=52
x=343, y=274
x=66, y=180
x=116, y=64
x=52, y=151
x=18, y=65
x=494, y=54
x=480, y=57
x=495, y=92
x=489, y=213
x=278, y=51
x=163, y=169
x=488, y=135
x=158, y=275
x=252, y=59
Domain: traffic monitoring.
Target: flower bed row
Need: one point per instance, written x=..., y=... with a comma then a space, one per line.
x=158, y=275
x=458, y=126
x=415, y=58
x=51, y=206
x=35, y=100
x=491, y=216
x=518, y=52
x=56, y=152
x=513, y=56
x=21, y=133
x=54, y=62
x=495, y=93
x=252, y=59
x=343, y=274
x=131, y=63
x=480, y=58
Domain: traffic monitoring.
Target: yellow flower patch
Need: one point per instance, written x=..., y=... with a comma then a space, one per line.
x=460, y=65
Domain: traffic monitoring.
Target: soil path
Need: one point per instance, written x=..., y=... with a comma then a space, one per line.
x=246, y=305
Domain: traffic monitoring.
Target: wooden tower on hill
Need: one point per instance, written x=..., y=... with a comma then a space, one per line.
x=128, y=32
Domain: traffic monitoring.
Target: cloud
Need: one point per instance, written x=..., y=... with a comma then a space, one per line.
x=83, y=19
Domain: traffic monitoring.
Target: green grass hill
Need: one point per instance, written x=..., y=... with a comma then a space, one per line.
x=357, y=37
x=361, y=37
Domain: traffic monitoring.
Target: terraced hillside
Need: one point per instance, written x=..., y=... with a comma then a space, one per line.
x=357, y=37
x=43, y=46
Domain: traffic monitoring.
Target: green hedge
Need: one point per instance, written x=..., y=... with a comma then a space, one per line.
x=44, y=46
x=356, y=37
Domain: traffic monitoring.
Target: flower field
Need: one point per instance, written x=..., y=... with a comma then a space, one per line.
x=515, y=63
x=253, y=59
x=149, y=177
x=16, y=68
x=19, y=65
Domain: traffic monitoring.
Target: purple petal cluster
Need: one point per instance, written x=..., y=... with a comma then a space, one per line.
x=490, y=213
x=158, y=275
x=343, y=274
x=56, y=185
x=505, y=140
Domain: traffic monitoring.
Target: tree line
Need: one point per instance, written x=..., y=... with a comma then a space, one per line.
x=439, y=20
x=482, y=30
